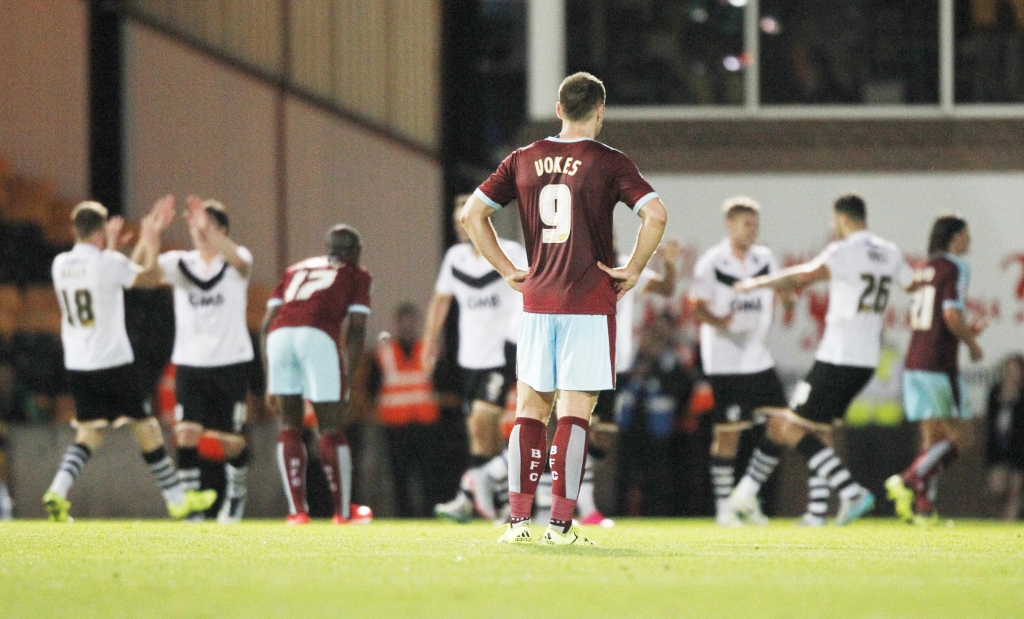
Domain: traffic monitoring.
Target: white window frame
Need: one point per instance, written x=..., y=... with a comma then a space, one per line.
x=546, y=68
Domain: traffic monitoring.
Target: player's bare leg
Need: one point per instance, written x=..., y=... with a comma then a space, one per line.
x=336, y=458
x=787, y=429
x=292, y=456
x=724, y=446
x=526, y=448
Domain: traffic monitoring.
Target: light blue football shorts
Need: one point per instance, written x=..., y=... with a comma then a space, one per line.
x=574, y=352
x=932, y=395
x=303, y=361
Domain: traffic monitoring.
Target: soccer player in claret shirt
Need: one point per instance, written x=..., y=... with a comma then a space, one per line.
x=932, y=386
x=861, y=269
x=90, y=281
x=301, y=353
x=566, y=187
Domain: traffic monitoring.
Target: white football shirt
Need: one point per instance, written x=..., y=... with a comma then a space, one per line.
x=864, y=270
x=209, y=309
x=741, y=349
x=90, y=287
x=626, y=322
x=487, y=303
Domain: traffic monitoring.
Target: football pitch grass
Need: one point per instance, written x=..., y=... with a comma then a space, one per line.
x=641, y=568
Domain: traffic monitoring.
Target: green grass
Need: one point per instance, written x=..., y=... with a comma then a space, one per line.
x=430, y=569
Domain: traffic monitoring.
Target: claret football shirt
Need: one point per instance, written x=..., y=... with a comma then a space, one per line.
x=567, y=190
x=320, y=292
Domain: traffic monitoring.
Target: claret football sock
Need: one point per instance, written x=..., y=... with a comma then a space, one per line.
x=291, y=460
x=526, y=448
x=71, y=467
x=336, y=457
x=567, y=458
x=824, y=462
x=930, y=463
x=163, y=469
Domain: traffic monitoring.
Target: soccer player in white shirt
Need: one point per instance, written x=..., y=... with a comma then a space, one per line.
x=487, y=308
x=212, y=350
x=734, y=354
x=861, y=269
x=90, y=281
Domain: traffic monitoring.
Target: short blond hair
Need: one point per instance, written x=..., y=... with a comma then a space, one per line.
x=87, y=218
x=737, y=205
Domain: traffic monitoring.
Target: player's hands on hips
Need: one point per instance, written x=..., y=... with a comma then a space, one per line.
x=516, y=279
x=624, y=278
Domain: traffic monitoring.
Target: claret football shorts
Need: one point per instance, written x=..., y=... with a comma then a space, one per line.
x=573, y=352
x=303, y=361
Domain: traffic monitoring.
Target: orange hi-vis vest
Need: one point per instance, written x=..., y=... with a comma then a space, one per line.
x=406, y=393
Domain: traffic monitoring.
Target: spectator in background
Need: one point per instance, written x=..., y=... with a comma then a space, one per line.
x=651, y=405
x=1005, y=449
x=409, y=411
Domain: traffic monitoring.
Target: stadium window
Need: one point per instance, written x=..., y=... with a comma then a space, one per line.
x=660, y=53
x=849, y=52
x=989, y=51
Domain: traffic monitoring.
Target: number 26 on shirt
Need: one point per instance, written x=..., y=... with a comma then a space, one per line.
x=556, y=211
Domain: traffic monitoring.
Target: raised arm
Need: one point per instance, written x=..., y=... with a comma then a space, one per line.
x=476, y=218
x=654, y=219
x=147, y=249
x=788, y=279
x=197, y=217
